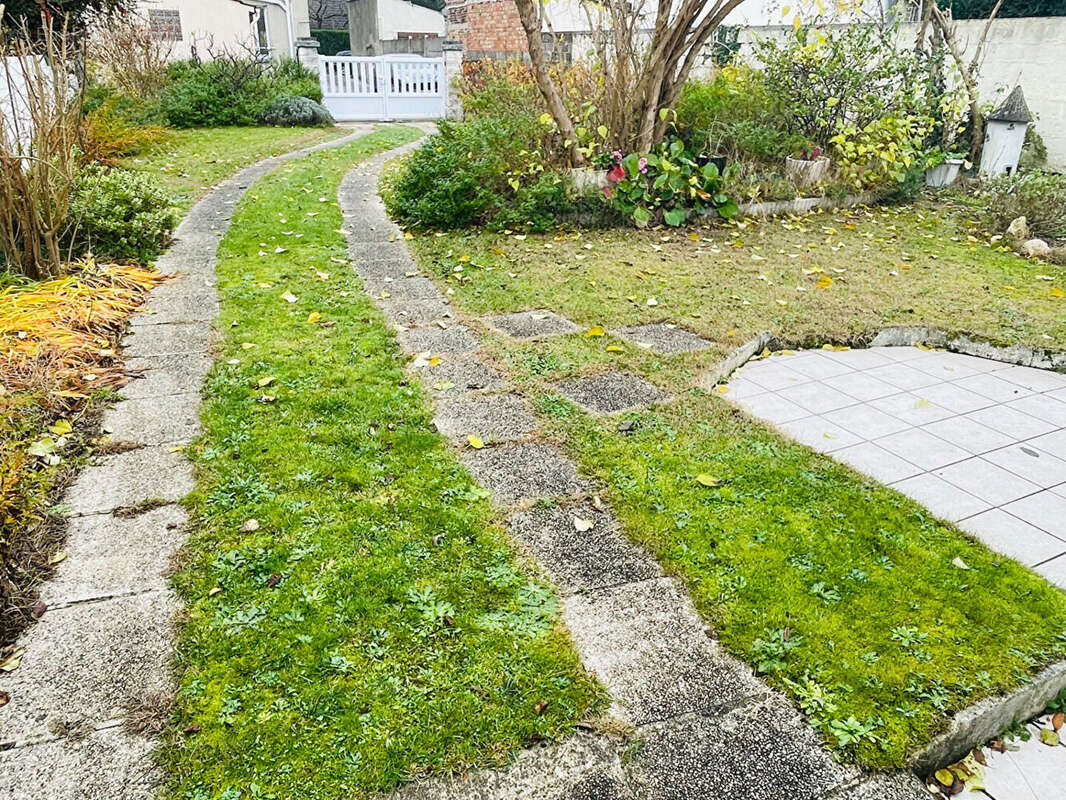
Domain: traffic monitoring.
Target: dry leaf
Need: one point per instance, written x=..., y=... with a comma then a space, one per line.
x=11, y=663
x=250, y=525
x=595, y=330
x=703, y=479
x=289, y=297
x=582, y=525
x=958, y=562
x=475, y=442
x=1049, y=737
x=266, y=380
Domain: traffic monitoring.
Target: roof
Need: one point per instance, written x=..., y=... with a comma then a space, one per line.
x=1013, y=109
x=432, y=5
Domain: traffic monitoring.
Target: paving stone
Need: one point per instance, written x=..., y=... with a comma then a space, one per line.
x=416, y=288
x=610, y=392
x=866, y=421
x=581, y=560
x=771, y=373
x=129, y=479
x=584, y=767
x=165, y=375
x=106, y=765
x=109, y=556
x=1042, y=407
x=903, y=376
x=922, y=448
x=820, y=433
x=993, y=388
x=1032, y=771
x=1045, y=510
x=858, y=358
x=646, y=644
x=436, y=340
x=942, y=498
x=986, y=480
x=860, y=386
x=183, y=300
x=523, y=471
x=1030, y=463
x=162, y=340
x=532, y=324
x=814, y=365
x=876, y=462
x=415, y=312
x=772, y=408
x=1010, y=421
x=461, y=374
x=493, y=417
x=1054, y=570
x=900, y=786
x=380, y=258
x=912, y=408
x=170, y=419
x=968, y=434
x=1014, y=537
x=665, y=338
x=760, y=752
x=817, y=397
x=87, y=663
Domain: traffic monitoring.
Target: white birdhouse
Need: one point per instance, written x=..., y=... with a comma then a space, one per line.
x=1005, y=134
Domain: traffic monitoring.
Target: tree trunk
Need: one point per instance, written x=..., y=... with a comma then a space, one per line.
x=527, y=12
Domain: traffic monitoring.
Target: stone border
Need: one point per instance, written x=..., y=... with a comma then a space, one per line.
x=803, y=205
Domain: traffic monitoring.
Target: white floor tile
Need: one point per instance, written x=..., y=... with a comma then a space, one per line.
x=1030, y=463
x=819, y=433
x=877, y=462
x=987, y=481
x=911, y=407
x=903, y=375
x=1042, y=407
x=1013, y=537
x=816, y=397
x=970, y=435
x=772, y=408
x=942, y=498
x=867, y=421
x=994, y=388
x=861, y=386
x=1039, y=380
x=922, y=448
x=1045, y=510
x=1012, y=422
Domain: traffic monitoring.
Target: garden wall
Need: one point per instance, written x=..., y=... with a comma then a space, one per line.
x=1030, y=51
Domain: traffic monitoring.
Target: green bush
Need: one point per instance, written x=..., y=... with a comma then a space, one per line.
x=1040, y=197
x=484, y=171
x=331, y=42
x=232, y=90
x=293, y=111
x=118, y=214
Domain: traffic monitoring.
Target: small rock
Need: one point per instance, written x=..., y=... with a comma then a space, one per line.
x=1036, y=248
x=1018, y=230
x=250, y=525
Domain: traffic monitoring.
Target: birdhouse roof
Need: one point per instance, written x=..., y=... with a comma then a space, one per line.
x=1013, y=109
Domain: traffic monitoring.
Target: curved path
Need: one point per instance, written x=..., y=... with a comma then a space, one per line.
x=702, y=726
x=95, y=679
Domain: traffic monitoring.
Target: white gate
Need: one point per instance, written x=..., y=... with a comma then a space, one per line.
x=386, y=87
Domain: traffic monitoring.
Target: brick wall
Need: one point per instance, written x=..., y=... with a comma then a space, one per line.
x=486, y=27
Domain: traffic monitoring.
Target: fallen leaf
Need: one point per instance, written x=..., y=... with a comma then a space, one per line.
x=11, y=663
x=539, y=707
x=314, y=316
x=944, y=777
x=582, y=525
x=703, y=479
x=266, y=380
x=57, y=556
x=5, y=698
x=1057, y=292
x=475, y=442
x=958, y=562
x=652, y=301
x=614, y=348
x=721, y=389
x=1056, y=720
x=595, y=330
x=289, y=297
x=250, y=525
x=1049, y=737
x=214, y=591
x=61, y=427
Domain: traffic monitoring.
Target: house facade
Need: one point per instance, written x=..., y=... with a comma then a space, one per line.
x=377, y=27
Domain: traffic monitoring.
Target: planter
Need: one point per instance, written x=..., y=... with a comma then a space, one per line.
x=943, y=174
x=588, y=179
x=806, y=172
x=718, y=161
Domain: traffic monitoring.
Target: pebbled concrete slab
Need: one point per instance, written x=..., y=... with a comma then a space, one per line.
x=123, y=651
x=492, y=418
x=128, y=479
x=531, y=324
x=665, y=338
x=188, y=299
x=415, y=312
x=108, y=556
x=456, y=339
x=461, y=374
x=105, y=765
x=165, y=375
x=610, y=392
x=759, y=752
x=165, y=340
x=581, y=560
x=524, y=471
x=413, y=288
x=647, y=645
x=901, y=786
x=170, y=419
x=381, y=259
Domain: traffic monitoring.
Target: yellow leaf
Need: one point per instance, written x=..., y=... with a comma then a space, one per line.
x=314, y=316
x=11, y=663
x=434, y=361
x=57, y=556
x=703, y=479
x=945, y=777
x=289, y=297
x=265, y=381
x=408, y=235
x=722, y=389
x=797, y=23
x=475, y=442
x=61, y=427
x=1049, y=737
x=731, y=332
x=613, y=348
x=823, y=282
x=1057, y=292
x=247, y=345
x=595, y=330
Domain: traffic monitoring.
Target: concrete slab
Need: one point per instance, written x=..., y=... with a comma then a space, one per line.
x=901, y=786
x=531, y=324
x=165, y=375
x=646, y=644
x=88, y=663
x=129, y=479
x=524, y=471
x=164, y=340
x=611, y=392
x=582, y=548
x=406, y=288
x=665, y=338
x=457, y=375
x=109, y=556
x=403, y=313
x=105, y=765
x=170, y=419
x=1014, y=537
x=181, y=300
x=492, y=417
x=1030, y=771
x=436, y=340
x=759, y=752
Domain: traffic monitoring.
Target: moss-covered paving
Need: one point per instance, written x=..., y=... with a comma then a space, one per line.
x=840, y=591
x=372, y=624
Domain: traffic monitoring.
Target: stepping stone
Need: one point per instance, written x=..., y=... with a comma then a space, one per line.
x=649, y=648
x=760, y=752
x=415, y=312
x=164, y=340
x=109, y=556
x=129, y=479
x=89, y=663
x=164, y=375
x=523, y=472
x=462, y=374
x=494, y=417
x=105, y=764
x=531, y=324
x=436, y=340
x=415, y=288
x=172, y=419
x=581, y=560
x=610, y=392
x=665, y=338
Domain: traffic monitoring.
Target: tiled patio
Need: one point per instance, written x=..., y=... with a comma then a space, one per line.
x=980, y=443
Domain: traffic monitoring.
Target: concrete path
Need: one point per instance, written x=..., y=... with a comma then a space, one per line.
x=702, y=725
x=980, y=443
x=95, y=682
x=1027, y=770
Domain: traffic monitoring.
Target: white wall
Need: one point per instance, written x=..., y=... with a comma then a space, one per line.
x=399, y=16
x=224, y=22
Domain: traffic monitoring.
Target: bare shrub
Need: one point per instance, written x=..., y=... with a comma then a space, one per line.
x=130, y=56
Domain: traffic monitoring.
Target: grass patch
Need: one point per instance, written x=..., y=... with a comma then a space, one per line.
x=839, y=590
x=373, y=625
x=191, y=161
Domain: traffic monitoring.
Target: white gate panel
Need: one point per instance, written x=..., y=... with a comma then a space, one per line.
x=389, y=87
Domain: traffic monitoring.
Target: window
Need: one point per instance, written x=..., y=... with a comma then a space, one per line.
x=165, y=24
x=262, y=39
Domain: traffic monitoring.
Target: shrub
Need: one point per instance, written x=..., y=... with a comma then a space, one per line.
x=1040, y=197
x=292, y=111
x=881, y=155
x=118, y=214
x=109, y=134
